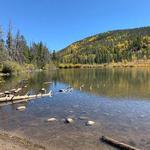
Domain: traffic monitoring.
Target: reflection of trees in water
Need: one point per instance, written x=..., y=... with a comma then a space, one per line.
x=110, y=82
x=34, y=82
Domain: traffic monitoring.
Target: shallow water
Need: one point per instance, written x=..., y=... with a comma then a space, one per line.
x=116, y=99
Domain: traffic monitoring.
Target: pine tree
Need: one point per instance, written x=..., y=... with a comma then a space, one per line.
x=1, y=39
x=9, y=40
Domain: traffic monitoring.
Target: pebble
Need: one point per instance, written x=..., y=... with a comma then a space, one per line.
x=21, y=107
x=90, y=123
x=51, y=119
x=69, y=120
x=43, y=89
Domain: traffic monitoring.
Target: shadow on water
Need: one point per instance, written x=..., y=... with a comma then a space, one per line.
x=116, y=99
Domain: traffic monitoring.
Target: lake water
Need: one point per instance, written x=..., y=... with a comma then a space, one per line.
x=116, y=99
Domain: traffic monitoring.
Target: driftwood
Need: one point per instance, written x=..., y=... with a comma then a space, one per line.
x=18, y=90
x=25, y=97
x=12, y=91
x=13, y=102
x=117, y=144
x=2, y=94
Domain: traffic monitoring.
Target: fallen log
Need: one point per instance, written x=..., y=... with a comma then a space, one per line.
x=8, y=93
x=18, y=90
x=2, y=94
x=117, y=144
x=26, y=97
x=13, y=102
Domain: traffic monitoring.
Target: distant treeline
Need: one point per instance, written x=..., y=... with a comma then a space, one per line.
x=108, y=47
x=14, y=48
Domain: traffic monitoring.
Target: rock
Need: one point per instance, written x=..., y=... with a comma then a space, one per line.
x=62, y=90
x=69, y=120
x=51, y=119
x=90, y=123
x=21, y=107
x=43, y=90
x=83, y=118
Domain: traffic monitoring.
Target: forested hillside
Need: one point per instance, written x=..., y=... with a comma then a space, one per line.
x=14, y=51
x=113, y=46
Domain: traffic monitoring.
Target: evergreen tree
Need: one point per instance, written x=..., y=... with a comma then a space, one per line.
x=1, y=39
x=9, y=40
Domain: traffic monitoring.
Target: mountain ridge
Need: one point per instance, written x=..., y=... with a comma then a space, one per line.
x=95, y=48
x=102, y=33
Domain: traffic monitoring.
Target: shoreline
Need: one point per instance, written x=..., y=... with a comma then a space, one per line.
x=139, y=63
x=12, y=141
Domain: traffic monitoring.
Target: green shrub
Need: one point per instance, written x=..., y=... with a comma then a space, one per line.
x=12, y=67
x=6, y=68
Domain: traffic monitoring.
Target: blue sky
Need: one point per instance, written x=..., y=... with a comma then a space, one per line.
x=58, y=23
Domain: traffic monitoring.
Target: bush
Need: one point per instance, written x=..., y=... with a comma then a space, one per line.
x=29, y=67
x=7, y=68
x=12, y=67
x=49, y=66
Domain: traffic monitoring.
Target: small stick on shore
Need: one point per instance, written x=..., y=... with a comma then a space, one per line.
x=117, y=144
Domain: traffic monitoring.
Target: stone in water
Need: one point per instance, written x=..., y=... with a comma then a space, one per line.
x=21, y=107
x=90, y=123
x=69, y=120
x=51, y=119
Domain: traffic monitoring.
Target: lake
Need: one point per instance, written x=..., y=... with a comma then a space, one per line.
x=116, y=99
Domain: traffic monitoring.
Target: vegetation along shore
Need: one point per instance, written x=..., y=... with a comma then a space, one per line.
x=120, y=48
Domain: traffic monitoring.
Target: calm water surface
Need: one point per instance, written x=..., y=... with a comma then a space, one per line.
x=116, y=99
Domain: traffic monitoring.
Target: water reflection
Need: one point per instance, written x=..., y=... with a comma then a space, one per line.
x=113, y=98
x=121, y=82
x=125, y=82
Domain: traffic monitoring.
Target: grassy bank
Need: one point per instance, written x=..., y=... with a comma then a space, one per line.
x=11, y=67
x=136, y=63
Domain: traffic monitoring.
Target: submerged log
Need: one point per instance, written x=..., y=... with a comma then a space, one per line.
x=117, y=144
x=15, y=98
